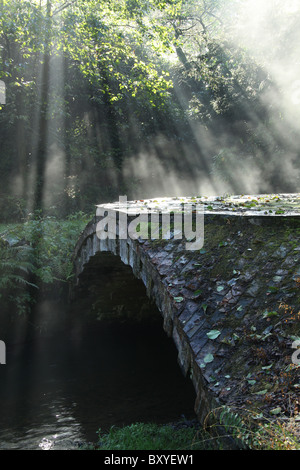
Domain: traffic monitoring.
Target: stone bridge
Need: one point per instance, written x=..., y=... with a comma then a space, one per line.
x=232, y=306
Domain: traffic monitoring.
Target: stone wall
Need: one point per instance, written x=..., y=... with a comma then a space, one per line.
x=232, y=307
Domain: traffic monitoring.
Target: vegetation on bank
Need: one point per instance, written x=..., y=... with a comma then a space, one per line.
x=229, y=431
x=35, y=256
x=150, y=436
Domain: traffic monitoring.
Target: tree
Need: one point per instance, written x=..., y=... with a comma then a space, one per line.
x=90, y=82
x=101, y=45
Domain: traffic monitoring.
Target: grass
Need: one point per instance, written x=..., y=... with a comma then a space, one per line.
x=150, y=436
x=246, y=433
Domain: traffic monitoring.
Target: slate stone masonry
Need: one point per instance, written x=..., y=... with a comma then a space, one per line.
x=222, y=304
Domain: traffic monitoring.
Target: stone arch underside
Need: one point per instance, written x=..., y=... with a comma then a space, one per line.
x=143, y=266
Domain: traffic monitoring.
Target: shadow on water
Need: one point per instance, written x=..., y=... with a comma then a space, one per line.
x=81, y=373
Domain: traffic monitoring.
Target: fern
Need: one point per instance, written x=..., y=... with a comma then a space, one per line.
x=15, y=269
x=235, y=427
x=45, y=256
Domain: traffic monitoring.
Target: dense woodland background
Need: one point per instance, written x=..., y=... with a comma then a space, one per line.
x=143, y=98
x=146, y=98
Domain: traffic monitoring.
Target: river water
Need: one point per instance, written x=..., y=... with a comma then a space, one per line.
x=76, y=376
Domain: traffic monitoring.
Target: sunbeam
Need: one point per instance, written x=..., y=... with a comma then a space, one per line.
x=152, y=100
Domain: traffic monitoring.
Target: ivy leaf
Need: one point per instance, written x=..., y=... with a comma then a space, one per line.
x=213, y=334
x=208, y=358
x=267, y=314
x=251, y=382
x=197, y=293
x=262, y=392
x=275, y=411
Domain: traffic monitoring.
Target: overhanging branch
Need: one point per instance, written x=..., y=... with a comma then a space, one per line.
x=63, y=7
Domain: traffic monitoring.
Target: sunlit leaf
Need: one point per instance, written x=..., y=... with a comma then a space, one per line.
x=208, y=358
x=213, y=334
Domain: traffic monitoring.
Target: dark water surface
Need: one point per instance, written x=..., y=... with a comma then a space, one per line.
x=59, y=388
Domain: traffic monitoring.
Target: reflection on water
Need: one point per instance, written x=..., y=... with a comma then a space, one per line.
x=59, y=389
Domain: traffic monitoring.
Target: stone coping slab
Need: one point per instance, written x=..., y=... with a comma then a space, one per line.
x=265, y=205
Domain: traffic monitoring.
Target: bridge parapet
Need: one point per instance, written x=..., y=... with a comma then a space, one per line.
x=232, y=305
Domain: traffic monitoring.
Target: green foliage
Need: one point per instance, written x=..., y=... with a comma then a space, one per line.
x=36, y=254
x=102, y=82
x=229, y=430
x=53, y=241
x=15, y=268
x=12, y=208
x=123, y=72
x=234, y=427
x=149, y=436
x=250, y=430
x=100, y=39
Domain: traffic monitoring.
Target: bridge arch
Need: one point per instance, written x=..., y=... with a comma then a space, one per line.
x=143, y=262
x=211, y=298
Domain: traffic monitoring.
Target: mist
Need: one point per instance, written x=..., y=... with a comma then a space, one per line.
x=229, y=124
x=219, y=160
